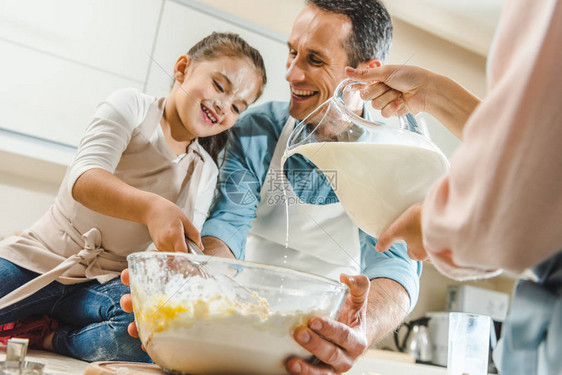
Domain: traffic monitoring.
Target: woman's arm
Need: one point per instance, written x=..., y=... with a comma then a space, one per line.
x=399, y=89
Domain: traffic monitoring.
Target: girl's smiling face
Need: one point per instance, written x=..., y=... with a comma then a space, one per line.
x=209, y=95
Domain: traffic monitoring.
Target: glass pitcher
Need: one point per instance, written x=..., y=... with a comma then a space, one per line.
x=380, y=169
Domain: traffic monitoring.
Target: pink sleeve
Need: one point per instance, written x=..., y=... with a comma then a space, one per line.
x=501, y=204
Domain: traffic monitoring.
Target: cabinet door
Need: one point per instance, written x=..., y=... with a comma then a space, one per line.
x=49, y=97
x=114, y=36
x=60, y=58
x=182, y=26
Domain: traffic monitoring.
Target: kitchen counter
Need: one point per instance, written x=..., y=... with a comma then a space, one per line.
x=55, y=364
x=373, y=363
x=381, y=362
x=377, y=366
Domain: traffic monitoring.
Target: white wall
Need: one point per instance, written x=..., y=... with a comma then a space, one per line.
x=418, y=47
x=23, y=201
x=60, y=57
x=182, y=26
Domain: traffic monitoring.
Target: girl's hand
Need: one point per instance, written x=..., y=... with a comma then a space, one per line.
x=168, y=226
x=394, y=89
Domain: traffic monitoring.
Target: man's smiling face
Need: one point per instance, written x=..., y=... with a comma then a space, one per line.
x=317, y=58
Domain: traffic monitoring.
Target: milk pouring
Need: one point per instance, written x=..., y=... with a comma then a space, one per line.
x=376, y=182
x=380, y=170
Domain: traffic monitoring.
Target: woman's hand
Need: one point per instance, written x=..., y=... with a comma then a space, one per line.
x=407, y=228
x=399, y=89
x=394, y=89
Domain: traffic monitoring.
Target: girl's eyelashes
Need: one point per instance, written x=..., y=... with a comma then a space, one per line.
x=220, y=89
x=218, y=86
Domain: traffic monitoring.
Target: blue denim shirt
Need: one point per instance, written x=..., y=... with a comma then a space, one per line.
x=242, y=176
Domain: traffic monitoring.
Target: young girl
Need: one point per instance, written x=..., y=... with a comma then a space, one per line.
x=145, y=172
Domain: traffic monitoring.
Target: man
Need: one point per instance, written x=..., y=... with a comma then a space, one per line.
x=248, y=218
x=327, y=36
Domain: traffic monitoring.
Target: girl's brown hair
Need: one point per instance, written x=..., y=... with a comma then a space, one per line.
x=232, y=45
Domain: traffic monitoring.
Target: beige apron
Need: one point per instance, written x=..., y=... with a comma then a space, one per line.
x=73, y=244
x=322, y=238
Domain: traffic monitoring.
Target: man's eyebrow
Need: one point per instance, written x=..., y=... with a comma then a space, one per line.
x=318, y=53
x=311, y=51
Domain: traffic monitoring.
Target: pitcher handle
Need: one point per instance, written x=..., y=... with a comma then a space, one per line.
x=407, y=122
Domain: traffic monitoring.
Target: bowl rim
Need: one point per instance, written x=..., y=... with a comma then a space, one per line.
x=245, y=263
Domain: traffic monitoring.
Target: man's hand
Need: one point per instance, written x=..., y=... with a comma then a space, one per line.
x=337, y=344
x=126, y=303
x=407, y=228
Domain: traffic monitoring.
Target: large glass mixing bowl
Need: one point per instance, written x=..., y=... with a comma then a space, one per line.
x=199, y=314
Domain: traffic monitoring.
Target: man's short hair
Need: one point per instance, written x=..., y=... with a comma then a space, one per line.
x=371, y=35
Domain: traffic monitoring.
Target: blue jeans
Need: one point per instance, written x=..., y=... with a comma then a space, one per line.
x=92, y=325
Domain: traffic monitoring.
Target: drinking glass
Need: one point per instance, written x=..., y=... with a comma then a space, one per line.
x=21, y=368
x=469, y=339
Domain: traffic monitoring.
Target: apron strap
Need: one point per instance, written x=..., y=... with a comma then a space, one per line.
x=153, y=117
x=92, y=248
x=266, y=237
x=188, y=196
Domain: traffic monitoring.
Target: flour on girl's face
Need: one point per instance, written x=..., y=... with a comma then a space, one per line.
x=241, y=90
x=244, y=88
x=212, y=94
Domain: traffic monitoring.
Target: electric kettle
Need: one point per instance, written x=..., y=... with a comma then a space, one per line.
x=416, y=342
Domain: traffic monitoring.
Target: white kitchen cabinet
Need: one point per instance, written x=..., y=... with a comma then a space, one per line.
x=115, y=36
x=182, y=26
x=60, y=58
x=48, y=97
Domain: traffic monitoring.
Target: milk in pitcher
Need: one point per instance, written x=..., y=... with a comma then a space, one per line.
x=375, y=183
